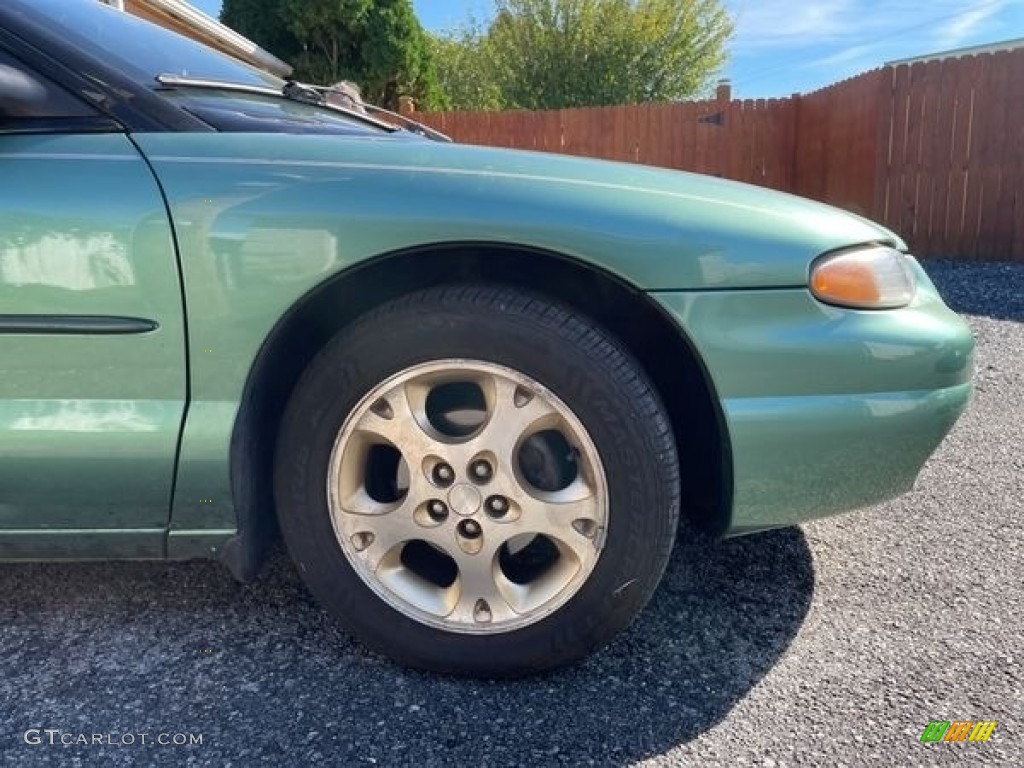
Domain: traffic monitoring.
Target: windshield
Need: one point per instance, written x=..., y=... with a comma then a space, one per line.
x=142, y=50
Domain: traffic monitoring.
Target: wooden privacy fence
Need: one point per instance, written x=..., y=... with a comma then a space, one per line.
x=933, y=150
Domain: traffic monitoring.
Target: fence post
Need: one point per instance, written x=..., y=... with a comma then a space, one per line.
x=723, y=93
x=406, y=105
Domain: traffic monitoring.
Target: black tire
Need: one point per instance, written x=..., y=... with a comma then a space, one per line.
x=555, y=346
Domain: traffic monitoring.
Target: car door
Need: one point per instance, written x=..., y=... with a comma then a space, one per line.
x=92, y=345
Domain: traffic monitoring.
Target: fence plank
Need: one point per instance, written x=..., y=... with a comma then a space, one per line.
x=966, y=243
x=1014, y=178
x=931, y=163
x=916, y=154
x=865, y=144
x=960, y=159
x=993, y=90
x=884, y=141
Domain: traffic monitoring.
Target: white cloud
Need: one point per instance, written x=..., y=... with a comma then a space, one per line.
x=960, y=27
x=852, y=55
x=799, y=24
x=783, y=23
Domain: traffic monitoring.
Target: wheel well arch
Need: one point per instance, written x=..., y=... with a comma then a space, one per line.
x=660, y=346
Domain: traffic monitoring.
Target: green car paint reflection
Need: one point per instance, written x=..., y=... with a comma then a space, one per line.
x=90, y=422
x=260, y=221
x=765, y=336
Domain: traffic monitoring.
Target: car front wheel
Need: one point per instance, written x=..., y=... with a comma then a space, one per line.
x=478, y=480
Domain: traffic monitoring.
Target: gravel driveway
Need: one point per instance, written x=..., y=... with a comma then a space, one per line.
x=834, y=643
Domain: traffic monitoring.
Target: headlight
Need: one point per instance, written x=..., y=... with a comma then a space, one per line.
x=872, y=277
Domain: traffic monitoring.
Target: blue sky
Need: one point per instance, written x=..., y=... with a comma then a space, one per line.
x=788, y=46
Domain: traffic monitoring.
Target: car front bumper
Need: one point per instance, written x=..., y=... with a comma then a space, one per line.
x=826, y=409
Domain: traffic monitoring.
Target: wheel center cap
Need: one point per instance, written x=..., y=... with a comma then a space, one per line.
x=464, y=499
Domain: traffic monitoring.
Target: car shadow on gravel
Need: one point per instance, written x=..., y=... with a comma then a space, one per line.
x=267, y=678
x=993, y=289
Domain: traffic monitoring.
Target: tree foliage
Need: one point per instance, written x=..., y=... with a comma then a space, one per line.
x=378, y=44
x=549, y=54
x=464, y=79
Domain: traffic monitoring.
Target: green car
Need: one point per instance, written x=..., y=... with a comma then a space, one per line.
x=474, y=390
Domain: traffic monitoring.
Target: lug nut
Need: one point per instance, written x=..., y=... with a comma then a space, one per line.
x=481, y=471
x=470, y=529
x=443, y=475
x=497, y=506
x=437, y=510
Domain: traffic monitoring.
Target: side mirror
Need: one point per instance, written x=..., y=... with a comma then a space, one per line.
x=21, y=94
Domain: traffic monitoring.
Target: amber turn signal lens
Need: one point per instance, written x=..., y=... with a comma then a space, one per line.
x=874, y=277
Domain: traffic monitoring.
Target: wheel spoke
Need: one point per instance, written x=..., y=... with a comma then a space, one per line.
x=393, y=419
x=514, y=411
x=386, y=532
x=480, y=601
x=358, y=502
x=574, y=522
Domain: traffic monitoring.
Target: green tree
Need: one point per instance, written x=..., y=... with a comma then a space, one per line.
x=464, y=78
x=378, y=44
x=549, y=54
x=264, y=22
x=330, y=33
x=395, y=55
